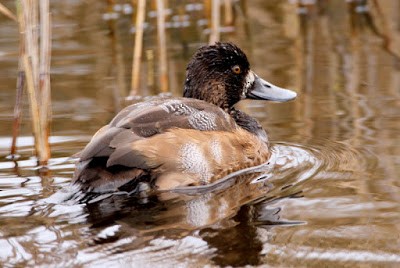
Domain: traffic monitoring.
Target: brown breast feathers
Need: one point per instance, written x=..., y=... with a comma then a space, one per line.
x=174, y=142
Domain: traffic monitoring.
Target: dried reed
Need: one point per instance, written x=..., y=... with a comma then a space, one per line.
x=137, y=49
x=215, y=21
x=228, y=12
x=35, y=58
x=18, y=99
x=17, y=108
x=6, y=12
x=162, y=45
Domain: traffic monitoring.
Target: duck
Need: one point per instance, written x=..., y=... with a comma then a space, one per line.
x=197, y=139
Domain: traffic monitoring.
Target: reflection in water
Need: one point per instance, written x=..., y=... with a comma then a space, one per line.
x=220, y=214
x=244, y=246
x=190, y=209
x=328, y=197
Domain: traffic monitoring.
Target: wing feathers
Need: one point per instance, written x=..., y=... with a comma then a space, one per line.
x=99, y=145
x=139, y=139
x=125, y=155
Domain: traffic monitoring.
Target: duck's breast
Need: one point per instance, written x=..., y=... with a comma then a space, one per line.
x=181, y=157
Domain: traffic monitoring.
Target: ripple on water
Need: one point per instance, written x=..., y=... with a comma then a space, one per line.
x=289, y=190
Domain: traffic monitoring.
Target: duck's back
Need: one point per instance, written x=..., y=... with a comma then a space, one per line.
x=173, y=142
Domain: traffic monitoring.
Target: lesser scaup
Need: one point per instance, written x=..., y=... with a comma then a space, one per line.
x=194, y=140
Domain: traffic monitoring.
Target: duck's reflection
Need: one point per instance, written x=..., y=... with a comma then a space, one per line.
x=227, y=219
x=237, y=245
x=241, y=244
x=191, y=211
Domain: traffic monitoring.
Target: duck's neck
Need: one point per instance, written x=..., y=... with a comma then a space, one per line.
x=248, y=123
x=212, y=92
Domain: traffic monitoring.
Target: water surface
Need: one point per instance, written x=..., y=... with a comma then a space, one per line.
x=329, y=196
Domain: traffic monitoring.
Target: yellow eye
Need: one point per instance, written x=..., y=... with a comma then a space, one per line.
x=236, y=69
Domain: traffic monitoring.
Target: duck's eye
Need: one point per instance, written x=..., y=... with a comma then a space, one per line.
x=236, y=69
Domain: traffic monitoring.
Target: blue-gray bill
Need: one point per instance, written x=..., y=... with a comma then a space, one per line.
x=263, y=90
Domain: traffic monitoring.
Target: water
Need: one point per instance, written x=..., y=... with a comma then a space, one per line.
x=329, y=196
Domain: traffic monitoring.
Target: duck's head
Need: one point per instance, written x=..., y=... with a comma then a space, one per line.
x=221, y=74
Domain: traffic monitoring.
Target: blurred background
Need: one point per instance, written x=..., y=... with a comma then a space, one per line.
x=343, y=59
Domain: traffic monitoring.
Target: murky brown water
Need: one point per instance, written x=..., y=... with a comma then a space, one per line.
x=330, y=195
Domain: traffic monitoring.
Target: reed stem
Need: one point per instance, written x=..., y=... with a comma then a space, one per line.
x=6, y=12
x=162, y=45
x=44, y=77
x=17, y=110
x=215, y=22
x=35, y=60
x=228, y=12
x=137, y=49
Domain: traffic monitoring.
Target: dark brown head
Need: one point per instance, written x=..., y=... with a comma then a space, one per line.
x=221, y=74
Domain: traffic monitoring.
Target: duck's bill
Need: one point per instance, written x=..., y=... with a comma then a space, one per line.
x=263, y=90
